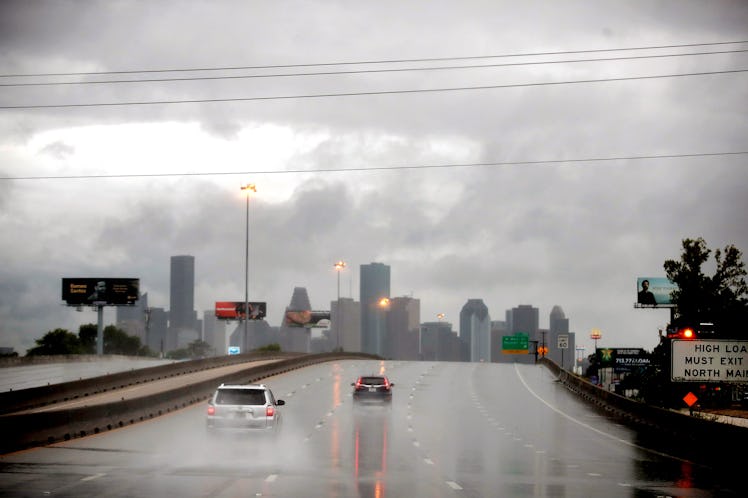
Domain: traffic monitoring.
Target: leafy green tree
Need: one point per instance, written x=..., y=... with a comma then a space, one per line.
x=274, y=347
x=198, y=349
x=87, y=335
x=56, y=342
x=117, y=341
x=721, y=299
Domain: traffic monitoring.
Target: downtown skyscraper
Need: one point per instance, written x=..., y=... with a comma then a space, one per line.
x=374, y=286
x=183, y=324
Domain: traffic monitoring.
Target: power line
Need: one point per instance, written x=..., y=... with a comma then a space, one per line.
x=386, y=168
x=383, y=61
x=363, y=71
x=370, y=93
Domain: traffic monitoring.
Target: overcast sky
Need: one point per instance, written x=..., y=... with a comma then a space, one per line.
x=470, y=182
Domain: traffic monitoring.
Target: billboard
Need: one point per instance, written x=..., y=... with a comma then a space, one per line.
x=234, y=310
x=654, y=292
x=100, y=291
x=623, y=359
x=713, y=360
x=308, y=319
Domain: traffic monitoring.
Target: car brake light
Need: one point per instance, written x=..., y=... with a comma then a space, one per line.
x=386, y=383
x=211, y=410
x=270, y=411
x=358, y=384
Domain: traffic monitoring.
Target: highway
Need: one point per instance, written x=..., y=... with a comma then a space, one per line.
x=453, y=430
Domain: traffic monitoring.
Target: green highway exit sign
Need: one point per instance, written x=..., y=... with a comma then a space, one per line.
x=515, y=344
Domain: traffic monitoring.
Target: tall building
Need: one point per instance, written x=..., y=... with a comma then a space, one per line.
x=131, y=319
x=375, y=285
x=524, y=319
x=475, y=330
x=214, y=333
x=156, y=327
x=296, y=339
x=438, y=342
x=559, y=325
x=403, y=324
x=183, y=323
x=345, y=324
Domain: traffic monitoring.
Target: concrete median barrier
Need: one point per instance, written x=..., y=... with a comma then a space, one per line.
x=20, y=431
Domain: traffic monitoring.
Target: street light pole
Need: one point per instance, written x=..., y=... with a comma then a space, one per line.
x=338, y=267
x=247, y=187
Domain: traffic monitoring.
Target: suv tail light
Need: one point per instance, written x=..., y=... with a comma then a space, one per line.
x=270, y=411
x=386, y=383
x=211, y=410
x=358, y=384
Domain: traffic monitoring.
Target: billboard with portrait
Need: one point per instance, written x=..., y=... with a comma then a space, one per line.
x=654, y=292
x=234, y=310
x=100, y=291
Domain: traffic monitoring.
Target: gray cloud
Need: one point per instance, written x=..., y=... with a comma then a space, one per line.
x=575, y=234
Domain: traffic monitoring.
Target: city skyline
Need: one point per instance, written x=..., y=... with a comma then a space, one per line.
x=521, y=152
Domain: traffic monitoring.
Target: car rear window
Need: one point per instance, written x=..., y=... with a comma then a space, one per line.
x=376, y=381
x=240, y=397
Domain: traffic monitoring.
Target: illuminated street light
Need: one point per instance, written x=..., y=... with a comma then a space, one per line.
x=339, y=266
x=246, y=188
x=595, y=335
x=384, y=302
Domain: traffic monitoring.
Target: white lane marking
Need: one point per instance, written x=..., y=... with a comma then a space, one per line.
x=428, y=461
x=454, y=485
x=416, y=444
x=91, y=478
x=587, y=426
x=271, y=478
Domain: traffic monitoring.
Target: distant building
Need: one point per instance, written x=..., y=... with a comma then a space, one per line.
x=131, y=319
x=559, y=325
x=475, y=330
x=498, y=331
x=183, y=323
x=438, y=342
x=403, y=324
x=374, y=285
x=345, y=324
x=296, y=339
x=524, y=319
x=214, y=333
x=157, y=325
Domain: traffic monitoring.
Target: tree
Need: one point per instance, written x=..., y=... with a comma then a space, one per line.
x=54, y=342
x=87, y=334
x=721, y=299
x=117, y=341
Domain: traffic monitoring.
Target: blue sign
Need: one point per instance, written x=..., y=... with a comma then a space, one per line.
x=234, y=350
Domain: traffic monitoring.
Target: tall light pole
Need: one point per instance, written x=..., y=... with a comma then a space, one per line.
x=595, y=334
x=338, y=268
x=246, y=187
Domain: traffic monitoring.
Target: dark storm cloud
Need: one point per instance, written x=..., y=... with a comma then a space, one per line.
x=570, y=234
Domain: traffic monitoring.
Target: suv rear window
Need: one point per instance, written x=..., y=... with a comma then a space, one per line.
x=376, y=381
x=240, y=397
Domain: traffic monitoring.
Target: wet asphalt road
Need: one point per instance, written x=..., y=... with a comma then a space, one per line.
x=452, y=430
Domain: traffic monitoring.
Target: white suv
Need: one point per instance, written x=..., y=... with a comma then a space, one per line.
x=244, y=408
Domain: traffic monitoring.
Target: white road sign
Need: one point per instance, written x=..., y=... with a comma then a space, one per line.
x=563, y=341
x=713, y=360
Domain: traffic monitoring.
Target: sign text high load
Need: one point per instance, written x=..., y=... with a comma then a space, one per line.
x=715, y=360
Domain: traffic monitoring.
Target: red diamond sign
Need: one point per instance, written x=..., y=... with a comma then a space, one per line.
x=690, y=399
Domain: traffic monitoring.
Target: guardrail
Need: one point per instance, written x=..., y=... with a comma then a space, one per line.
x=20, y=431
x=36, y=397
x=699, y=436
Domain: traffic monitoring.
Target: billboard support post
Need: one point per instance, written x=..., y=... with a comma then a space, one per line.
x=100, y=330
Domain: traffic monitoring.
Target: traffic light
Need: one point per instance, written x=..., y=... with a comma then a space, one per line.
x=686, y=333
